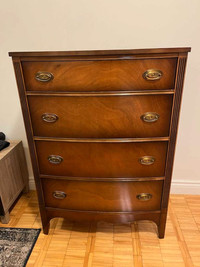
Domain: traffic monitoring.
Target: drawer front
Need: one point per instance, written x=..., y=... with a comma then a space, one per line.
x=100, y=75
x=101, y=159
x=101, y=116
x=102, y=196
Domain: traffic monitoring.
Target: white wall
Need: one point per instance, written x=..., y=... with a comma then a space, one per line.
x=102, y=24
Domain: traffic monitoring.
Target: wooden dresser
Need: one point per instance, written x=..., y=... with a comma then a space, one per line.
x=101, y=127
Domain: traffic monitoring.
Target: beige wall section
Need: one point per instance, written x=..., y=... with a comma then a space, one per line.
x=101, y=24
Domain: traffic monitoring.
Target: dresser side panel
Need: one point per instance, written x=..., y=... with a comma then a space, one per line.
x=28, y=127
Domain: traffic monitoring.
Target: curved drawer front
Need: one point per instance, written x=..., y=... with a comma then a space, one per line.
x=100, y=75
x=100, y=116
x=102, y=196
x=101, y=159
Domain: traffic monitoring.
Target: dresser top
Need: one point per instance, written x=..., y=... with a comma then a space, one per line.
x=102, y=52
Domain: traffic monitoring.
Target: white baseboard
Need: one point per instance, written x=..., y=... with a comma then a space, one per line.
x=185, y=187
x=32, y=183
x=177, y=187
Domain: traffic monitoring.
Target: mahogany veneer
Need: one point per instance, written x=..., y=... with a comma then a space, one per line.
x=101, y=159
x=100, y=74
x=102, y=196
x=101, y=127
x=115, y=116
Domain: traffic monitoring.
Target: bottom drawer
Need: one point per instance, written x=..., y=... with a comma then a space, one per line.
x=102, y=196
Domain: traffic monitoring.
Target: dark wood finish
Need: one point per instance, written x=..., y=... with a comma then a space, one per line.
x=102, y=196
x=148, y=51
x=105, y=179
x=100, y=117
x=98, y=75
x=27, y=122
x=101, y=93
x=112, y=217
x=172, y=143
x=99, y=148
x=101, y=140
x=101, y=159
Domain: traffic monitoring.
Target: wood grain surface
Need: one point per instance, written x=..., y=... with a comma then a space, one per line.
x=101, y=117
x=100, y=75
x=102, y=196
x=102, y=94
x=101, y=159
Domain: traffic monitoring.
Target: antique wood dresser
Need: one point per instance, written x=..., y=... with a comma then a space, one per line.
x=101, y=128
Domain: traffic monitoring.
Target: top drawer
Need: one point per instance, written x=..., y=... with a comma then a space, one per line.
x=100, y=75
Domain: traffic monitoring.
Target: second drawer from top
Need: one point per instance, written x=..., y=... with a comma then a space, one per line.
x=101, y=116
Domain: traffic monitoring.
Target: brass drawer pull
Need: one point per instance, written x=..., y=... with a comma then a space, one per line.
x=150, y=117
x=144, y=196
x=44, y=76
x=59, y=194
x=147, y=160
x=152, y=75
x=54, y=159
x=49, y=117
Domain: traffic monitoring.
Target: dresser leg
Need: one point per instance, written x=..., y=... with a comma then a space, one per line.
x=45, y=219
x=162, y=224
x=46, y=228
x=161, y=232
x=5, y=218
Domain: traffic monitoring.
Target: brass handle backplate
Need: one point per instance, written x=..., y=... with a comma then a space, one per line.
x=144, y=196
x=44, y=76
x=150, y=117
x=59, y=194
x=147, y=160
x=152, y=75
x=49, y=117
x=54, y=159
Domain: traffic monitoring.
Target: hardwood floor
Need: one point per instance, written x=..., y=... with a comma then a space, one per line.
x=116, y=245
